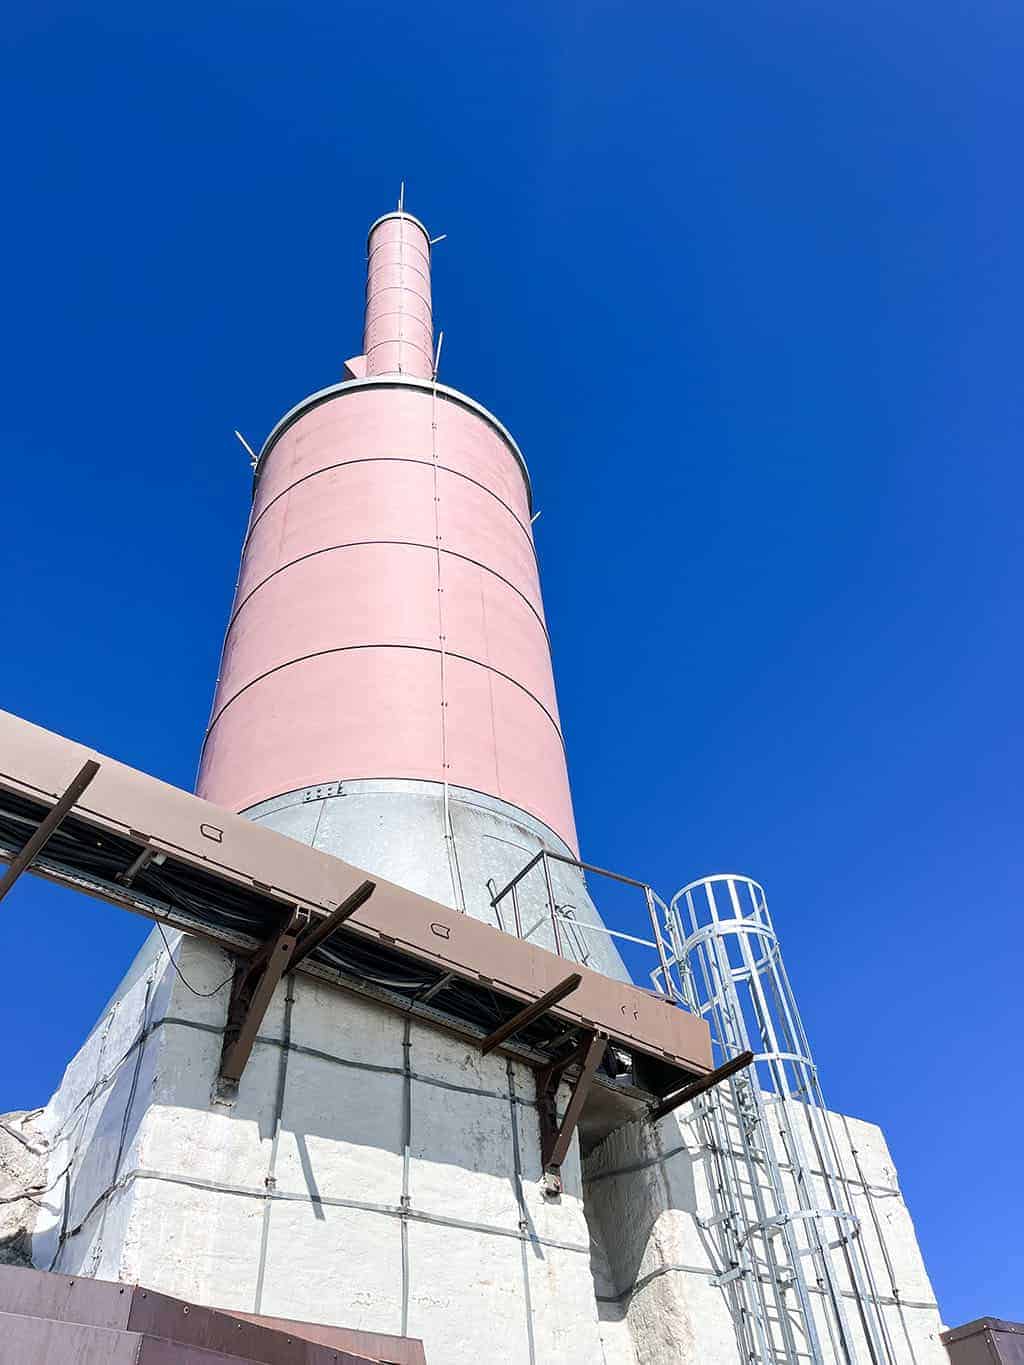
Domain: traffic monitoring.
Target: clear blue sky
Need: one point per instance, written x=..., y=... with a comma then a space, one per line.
x=755, y=286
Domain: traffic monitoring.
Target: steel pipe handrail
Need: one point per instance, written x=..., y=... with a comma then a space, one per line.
x=544, y=856
x=603, y=929
x=517, y=878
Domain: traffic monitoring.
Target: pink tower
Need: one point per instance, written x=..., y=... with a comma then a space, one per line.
x=386, y=690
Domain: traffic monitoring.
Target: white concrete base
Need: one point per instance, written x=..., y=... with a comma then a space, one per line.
x=377, y=1173
x=374, y=1174
x=645, y=1190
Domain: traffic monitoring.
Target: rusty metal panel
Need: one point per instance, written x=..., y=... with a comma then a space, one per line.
x=101, y=1315
x=159, y=1316
x=38, y=1293
x=43, y=1341
x=41, y=764
x=165, y=1351
x=377, y=1346
x=986, y=1341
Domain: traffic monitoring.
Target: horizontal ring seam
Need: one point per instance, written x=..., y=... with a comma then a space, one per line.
x=398, y=242
x=400, y=341
x=401, y=289
x=393, y=265
x=376, y=318
x=419, y=266
x=413, y=545
x=455, y=788
x=399, y=313
x=347, y=649
x=395, y=459
x=387, y=644
x=405, y=267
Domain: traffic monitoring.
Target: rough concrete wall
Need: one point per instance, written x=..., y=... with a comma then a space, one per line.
x=92, y=1126
x=616, y=1339
x=647, y=1191
x=23, y=1161
x=376, y=1173
x=373, y=1172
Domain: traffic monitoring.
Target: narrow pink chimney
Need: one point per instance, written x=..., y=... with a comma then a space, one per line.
x=398, y=332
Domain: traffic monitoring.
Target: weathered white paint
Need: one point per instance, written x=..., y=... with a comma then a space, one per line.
x=319, y=1224
x=395, y=827
x=322, y=1217
x=646, y=1189
x=23, y=1160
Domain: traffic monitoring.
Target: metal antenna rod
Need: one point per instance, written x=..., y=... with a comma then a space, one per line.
x=437, y=354
x=254, y=458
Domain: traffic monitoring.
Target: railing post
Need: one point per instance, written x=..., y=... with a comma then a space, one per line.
x=515, y=912
x=649, y=896
x=551, y=902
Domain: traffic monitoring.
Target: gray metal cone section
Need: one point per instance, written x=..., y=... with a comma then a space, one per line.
x=396, y=828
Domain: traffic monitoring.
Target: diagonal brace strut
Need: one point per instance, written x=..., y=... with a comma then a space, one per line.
x=321, y=929
x=555, y=1137
x=251, y=992
x=698, y=1087
x=529, y=1013
x=48, y=826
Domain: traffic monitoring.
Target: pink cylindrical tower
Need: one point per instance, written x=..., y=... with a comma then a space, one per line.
x=398, y=332
x=386, y=686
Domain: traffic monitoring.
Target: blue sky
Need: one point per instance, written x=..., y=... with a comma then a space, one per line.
x=745, y=283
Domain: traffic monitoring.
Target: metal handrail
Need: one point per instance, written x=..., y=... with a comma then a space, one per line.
x=545, y=857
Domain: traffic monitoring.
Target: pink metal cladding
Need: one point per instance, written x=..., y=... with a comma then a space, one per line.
x=398, y=334
x=334, y=664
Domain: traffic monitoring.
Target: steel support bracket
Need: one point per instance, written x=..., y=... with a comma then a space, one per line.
x=529, y=1013
x=736, y=1273
x=692, y=1089
x=555, y=1136
x=318, y=930
x=251, y=992
x=48, y=826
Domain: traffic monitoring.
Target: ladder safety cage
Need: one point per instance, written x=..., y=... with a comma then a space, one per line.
x=784, y=1227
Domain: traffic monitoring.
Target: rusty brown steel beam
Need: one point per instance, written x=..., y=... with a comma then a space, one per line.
x=191, y=834
x=48, y=826
x=547, y=1080
x=549, y=1076
x=532, y=1011
x=322, y=929
x=251, y=992
x=698, y=1087
x=555, y=1137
